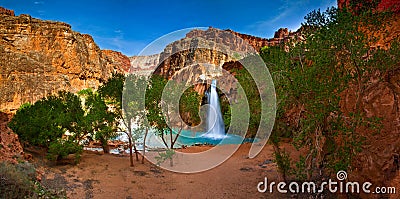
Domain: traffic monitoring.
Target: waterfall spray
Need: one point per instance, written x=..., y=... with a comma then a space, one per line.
x=215, y=123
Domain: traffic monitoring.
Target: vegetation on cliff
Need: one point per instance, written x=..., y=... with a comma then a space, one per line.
x=311, y=78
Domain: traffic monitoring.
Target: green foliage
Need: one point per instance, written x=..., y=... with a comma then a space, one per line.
x=62, y=148
x=253, y=97
x=46, y=120
x=19, y=181
x=300, y=171
x=282, y=159
x=111, y=90
x=134, y=101
x=309, y=79
x=189, y=104
x=227, y=112
x=98, y=120
x=15, y=183
x=162, y=156
x=153, y=104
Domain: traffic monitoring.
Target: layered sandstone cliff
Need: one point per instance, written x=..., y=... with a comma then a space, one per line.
x=39, y=57
x=215, y=47
x=144, y=65
x=10, y=147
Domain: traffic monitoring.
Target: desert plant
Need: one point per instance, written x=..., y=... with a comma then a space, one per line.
x=16, y=182
x=62, y=148
x=309, y=79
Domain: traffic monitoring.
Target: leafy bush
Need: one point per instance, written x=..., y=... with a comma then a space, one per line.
x=19, y=181
x=311, y=74
x=47, y=119
x=282, y=159
x=163, y=156
x=45, y=122
x=253, y=96
x=16, y=181
x=62, y=148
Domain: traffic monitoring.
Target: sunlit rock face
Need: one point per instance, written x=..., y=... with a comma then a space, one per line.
x=144, y=65
x=39, y=57
x=11, y=149
x=382, y=5
x=215, y=47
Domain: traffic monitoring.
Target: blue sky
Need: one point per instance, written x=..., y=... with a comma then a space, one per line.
x=130, y=25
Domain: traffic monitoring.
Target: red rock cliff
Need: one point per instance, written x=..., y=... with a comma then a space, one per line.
x=5, y=11
x=214, y=46
x=41, y=57
x=381, y=5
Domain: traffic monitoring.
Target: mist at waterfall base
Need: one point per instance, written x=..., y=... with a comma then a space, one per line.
x=215, y=128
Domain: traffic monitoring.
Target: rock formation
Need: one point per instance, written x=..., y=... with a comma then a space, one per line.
x=5, y=11
x=10, y=148
x=282, y=35
x=39, y=57
x=144, y=65
x=381, y=5
x=116, y=61
x=378, y=162
x=214, y=46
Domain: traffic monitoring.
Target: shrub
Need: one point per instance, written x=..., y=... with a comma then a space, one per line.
x=16, y=181
x=62, y=148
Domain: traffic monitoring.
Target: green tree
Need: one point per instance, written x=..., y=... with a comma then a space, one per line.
x=134, y=111
x=164, y=113
x=153, y=106
x=98, y=120
x=309, y=78
x=46, y=121
x=253, y=98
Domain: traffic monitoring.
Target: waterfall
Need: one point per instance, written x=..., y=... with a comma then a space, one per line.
x=215, y=123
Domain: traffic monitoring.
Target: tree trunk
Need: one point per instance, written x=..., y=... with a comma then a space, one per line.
x=163, y=139
x=129, y=134
x=176, y=137
x=136, y=152
x=130, y=149
x=170, y=133
x=144, y=144
x=104, y=144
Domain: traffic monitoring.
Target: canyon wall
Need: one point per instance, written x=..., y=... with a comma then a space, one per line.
x=144, y=65
x=378, y=162
x=379, y=5
x=40, y=57
x=215, y=47
x=10, y=147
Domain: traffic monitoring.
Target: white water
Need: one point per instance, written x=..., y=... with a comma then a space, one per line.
x=215, y=123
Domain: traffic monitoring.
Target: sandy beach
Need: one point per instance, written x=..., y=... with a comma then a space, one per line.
x=109, y=176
